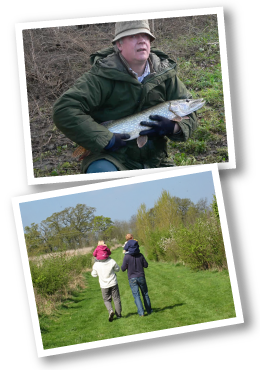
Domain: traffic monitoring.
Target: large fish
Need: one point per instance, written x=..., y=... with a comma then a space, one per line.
x=175, y=110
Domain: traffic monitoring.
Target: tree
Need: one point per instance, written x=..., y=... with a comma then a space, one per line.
x=120, y=230
x=101, y=224
x=78, y=218
x=133, y=224
x=183, y=205
x=214, y=207
x=202, y=205
x=68, y=229
x=143, y=223
x=165, y=212
x=110, y=233
x=33, y=239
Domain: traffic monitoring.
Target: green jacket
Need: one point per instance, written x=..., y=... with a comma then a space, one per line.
x=108, y=92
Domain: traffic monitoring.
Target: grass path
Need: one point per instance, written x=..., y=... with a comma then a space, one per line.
x=179, y=297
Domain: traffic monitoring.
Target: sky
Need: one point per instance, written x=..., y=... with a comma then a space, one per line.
x=121, y=202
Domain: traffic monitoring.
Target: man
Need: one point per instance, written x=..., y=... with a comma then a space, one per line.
x=124, y=79
x=135, y=264
x=105, y=270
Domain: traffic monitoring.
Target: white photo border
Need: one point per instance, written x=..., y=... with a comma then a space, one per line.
x=122, y=182
x=32, y=180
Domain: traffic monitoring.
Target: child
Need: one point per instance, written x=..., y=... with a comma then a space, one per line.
x=102, y=252
x=131, y=246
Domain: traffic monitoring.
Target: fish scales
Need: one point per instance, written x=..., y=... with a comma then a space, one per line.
x=174, y=110
x=171, y=109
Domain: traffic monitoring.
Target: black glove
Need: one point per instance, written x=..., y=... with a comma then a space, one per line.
x=117, y=142
x=164, y=126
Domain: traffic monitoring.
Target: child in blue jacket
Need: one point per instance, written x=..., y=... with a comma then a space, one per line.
x=131, y=246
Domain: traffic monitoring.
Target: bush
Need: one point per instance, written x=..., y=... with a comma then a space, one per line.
x=170, y=248
x=201, y=245
x=161, y=247
x=56, y=272
x=51, y=274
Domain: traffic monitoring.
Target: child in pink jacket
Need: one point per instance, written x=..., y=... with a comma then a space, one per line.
x=102, y=252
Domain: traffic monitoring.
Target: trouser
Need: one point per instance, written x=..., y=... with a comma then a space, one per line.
x=135, y=284
x=101, y=165
x=112, y=293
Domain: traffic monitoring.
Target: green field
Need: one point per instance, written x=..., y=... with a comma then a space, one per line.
x=178, y=295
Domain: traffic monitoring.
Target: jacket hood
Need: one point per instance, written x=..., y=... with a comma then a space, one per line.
x=102, y=247
x=100, y=54
x=108, y=60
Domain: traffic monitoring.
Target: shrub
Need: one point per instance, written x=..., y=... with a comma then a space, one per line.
x=51, y=274
x=151, y=247
x=56, y=272
x=201, y=245
x=160, y=246
x=170, y=248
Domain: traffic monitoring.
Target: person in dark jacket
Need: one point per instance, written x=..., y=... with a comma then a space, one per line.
x=135, y=264
x=126, y=78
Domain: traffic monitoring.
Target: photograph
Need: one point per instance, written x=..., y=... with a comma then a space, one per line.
x=119, y=96
x=127, y=260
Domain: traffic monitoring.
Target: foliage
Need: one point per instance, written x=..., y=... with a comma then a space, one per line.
x=176, y=229
x=201, y=245
x=100, y=225
x=54, y=272
x=72, y=228
x=168, y=212
x=119, y=229
x=154, y=249
x=143, y=224
x=214, y=206
x=33, y=239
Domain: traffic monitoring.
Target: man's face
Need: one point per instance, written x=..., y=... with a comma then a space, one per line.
x=136, y=48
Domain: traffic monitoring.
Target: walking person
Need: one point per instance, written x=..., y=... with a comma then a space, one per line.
x=125, y=78
x=106, y=270
x=135, y=264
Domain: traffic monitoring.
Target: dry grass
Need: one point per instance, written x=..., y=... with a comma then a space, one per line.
x=70, y=252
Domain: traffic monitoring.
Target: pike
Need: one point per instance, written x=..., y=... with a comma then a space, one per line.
x=174, y=110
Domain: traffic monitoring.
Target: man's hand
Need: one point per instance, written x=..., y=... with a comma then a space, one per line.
x=164, y=126
x=117, y=142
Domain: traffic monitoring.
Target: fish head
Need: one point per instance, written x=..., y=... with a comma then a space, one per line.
x=186, y=106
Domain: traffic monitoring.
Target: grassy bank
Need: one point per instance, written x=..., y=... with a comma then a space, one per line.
x=179, y=297
x=56, y=277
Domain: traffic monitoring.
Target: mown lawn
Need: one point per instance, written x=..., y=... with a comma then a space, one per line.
x=179, y=297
